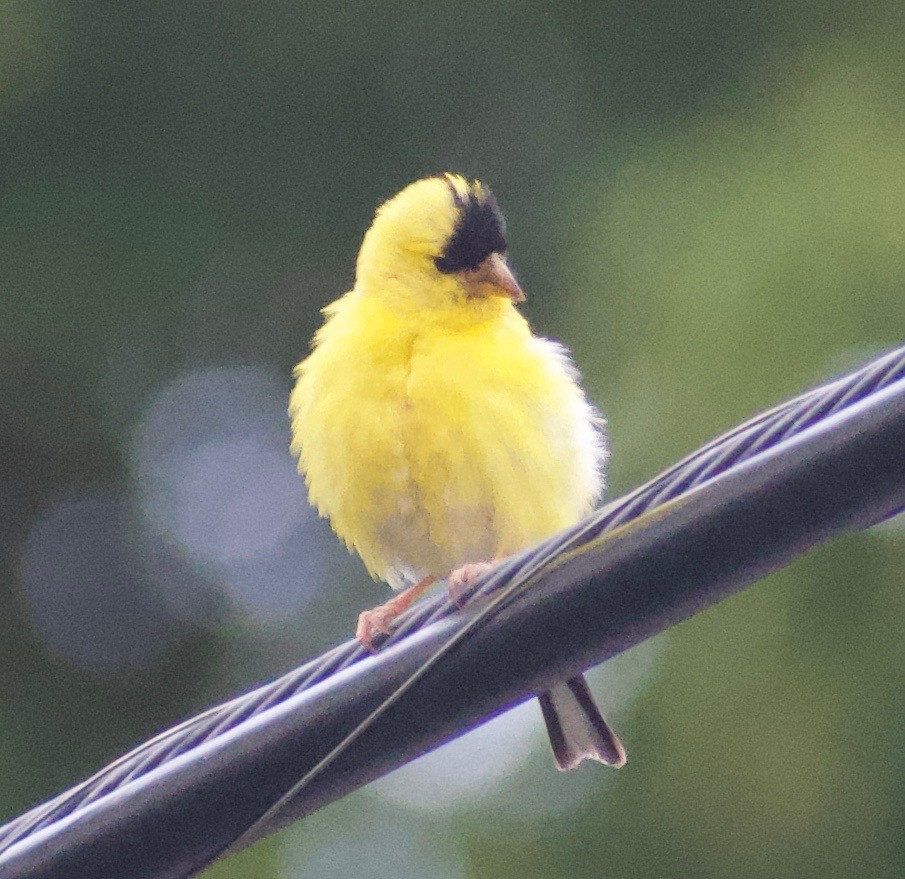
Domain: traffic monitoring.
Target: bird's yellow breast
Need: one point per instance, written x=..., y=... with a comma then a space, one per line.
x=432, y=443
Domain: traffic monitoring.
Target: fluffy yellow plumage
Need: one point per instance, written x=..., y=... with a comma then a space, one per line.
x=433, y=429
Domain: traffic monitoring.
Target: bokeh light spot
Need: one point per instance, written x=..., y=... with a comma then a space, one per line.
x=216, y=481
x=376, y=848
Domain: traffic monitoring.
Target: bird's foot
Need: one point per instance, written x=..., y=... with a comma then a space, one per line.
x=461, y=579
x=377, y=621
x=374, y=622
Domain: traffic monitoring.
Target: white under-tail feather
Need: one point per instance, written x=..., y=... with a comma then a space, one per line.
x=576, y=727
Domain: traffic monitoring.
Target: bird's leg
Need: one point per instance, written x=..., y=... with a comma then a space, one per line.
x=462, y=578
x=377, y=620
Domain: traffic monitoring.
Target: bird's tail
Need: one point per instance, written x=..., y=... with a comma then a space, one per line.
x=576, y=727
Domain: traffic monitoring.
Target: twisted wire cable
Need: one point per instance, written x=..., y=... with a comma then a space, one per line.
x=736, y=446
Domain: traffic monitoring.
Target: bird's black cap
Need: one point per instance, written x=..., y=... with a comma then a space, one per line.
x=480, y=230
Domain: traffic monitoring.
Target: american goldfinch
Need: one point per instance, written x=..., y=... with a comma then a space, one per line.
x=436, y=432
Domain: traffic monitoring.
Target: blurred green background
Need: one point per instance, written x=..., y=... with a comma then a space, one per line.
x=706, y=202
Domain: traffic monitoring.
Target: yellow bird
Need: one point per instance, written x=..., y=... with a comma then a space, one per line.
x=436, y=432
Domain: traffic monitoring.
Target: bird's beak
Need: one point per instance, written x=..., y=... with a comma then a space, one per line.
x=493, y=277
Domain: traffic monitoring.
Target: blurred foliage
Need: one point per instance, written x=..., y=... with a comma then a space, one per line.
x=706, y=202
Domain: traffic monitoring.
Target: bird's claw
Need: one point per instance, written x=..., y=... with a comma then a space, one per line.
x=462, y=579
x=372, y=623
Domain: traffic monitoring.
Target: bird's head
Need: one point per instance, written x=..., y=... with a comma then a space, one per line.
x=439, y=244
